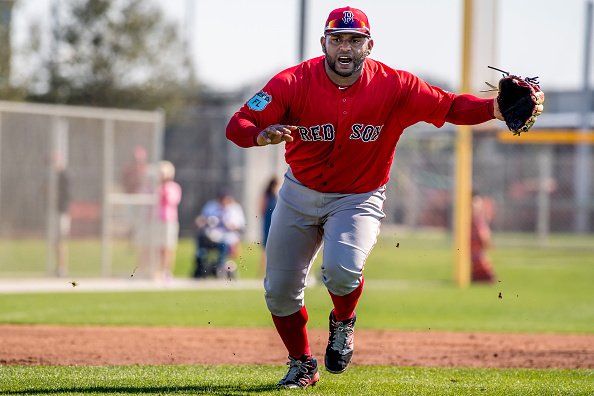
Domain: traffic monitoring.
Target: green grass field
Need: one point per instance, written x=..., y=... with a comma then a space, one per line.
x=409, y=286
x=260, y=380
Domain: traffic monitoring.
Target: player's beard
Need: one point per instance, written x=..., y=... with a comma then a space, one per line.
x=357, y=64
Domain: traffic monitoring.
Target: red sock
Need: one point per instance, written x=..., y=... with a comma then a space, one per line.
x=344, y=306
x=293, y=333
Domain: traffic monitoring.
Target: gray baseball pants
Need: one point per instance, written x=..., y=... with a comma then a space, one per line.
x=304, y=220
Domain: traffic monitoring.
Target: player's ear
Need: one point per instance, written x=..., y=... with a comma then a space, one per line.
x=323, y=43
x=369, y=46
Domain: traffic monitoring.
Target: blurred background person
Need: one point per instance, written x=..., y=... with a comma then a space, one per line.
x=135, y=173
x=63, y=206
x=135, y=179
x=218, y=230
x=167, y=224
x=267, y=204
x=480, y=241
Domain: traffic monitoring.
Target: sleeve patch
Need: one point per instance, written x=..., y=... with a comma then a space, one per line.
x=259, y=101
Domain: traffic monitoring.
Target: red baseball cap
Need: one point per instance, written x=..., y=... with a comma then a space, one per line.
x=347, y=20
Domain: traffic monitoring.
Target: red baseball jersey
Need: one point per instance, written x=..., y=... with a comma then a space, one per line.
x=347, y=135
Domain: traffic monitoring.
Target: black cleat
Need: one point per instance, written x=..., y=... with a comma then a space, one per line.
x=301, y=374
x=341, y=342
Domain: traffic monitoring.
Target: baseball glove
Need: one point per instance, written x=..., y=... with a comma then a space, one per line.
x=520, y=101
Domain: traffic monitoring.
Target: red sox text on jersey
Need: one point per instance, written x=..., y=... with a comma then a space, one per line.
x=326, y=133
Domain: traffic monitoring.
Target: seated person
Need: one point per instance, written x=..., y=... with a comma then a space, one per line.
x=219, y=228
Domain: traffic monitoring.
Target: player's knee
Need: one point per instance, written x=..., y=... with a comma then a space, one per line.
x=341, y=280
x=282, y=298
x=281, y=305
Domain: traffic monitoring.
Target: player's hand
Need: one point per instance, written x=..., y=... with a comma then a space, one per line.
x=496, y=111
x=275, y=134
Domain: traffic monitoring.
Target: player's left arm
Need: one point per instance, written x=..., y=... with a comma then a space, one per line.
x=471, y=110
x=424, y=102
x=519, y=102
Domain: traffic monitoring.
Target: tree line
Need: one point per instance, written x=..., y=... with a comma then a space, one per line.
x=105, y=53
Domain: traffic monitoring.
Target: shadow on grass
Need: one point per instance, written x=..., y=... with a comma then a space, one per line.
x=150, y=390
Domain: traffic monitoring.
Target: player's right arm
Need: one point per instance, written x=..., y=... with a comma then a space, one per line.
x=275, y=134
x=243, y=131
x=259, y=122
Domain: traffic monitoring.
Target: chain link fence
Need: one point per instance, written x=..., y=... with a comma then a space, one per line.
x=76, y=187
x=531, y=190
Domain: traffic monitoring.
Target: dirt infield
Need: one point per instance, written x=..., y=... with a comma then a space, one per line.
x=84, y=345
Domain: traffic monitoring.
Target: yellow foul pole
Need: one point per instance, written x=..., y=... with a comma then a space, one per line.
x=463, y=181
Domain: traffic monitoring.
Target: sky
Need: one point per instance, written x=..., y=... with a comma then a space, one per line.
x=238, y=43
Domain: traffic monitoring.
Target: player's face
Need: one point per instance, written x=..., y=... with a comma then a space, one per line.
x=346, y=52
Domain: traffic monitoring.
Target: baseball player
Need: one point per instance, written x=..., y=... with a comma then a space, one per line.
x=340, y=116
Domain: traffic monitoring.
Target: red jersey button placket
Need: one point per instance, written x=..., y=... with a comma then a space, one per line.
x=343, y=126
x=342, y=134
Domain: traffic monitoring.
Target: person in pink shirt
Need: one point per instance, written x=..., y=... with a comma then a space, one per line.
x=167, y=224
